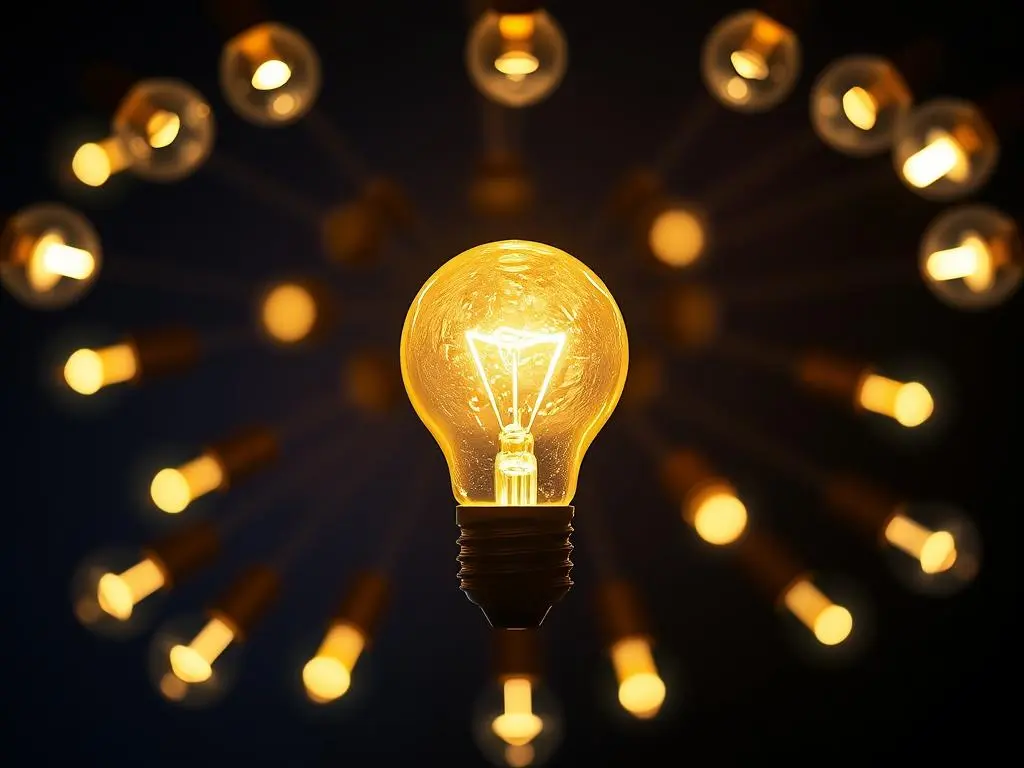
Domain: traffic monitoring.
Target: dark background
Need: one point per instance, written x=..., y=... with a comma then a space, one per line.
x=937, y=670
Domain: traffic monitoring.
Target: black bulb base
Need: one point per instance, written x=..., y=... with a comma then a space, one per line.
x=515, y=561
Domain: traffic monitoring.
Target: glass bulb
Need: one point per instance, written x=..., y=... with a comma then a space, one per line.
x=514, y=355
x=516, y=59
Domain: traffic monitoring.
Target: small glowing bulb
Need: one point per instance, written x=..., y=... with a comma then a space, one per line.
x=52, y=259
x=289, y=313
x=908, y=403
x=162, y=128
x=91, y=165
x=942, y=156
x=173, y=489
x=328, y=675
x=516, y=59
x=271, y=74
x=87, y=371
x=193, y=663
x=972, y=261
x=749, y=65
x=860, y=108
x=119, y=593
x=935, y=550
x=516, y=64
x=517, y=725
x=718, y=516
x=676, y=237
x=641, y=689
x=830, y=623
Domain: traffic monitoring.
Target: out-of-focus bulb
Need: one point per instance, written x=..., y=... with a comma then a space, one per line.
x=173, y=489
x=328, y=675
x=750, y=62
x=716, y=513
x=971, y=257
x=95, y=162
x=934, y=550
x=193, y=663
x=516, y=59
x=87, y=371
x=517, y=724
x=119, y=593
x=830, y=623
x=270, y=74
x=164, y=128
x=676, y=236
x=289, y=313
x=908, y=403
x=945, y=149
x=49, y=256
x=641, y=689
x=857, y=103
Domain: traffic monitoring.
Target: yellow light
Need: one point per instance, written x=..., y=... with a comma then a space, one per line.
x=51, y=259
x=676, y=237
x=718, y=516
x=162, y=128
x=516, y=26
x=909, y=403
x=641, y=689
x=519, y=755
x=328, y=675
x=749, y=65
x=830, y=623
x=193, y=663
x=289, y=313
x=271, y=74
x=942, y=156
x=119, y=593
x=87, y=371
x=172, y=688
x=517, y=725
x=173, y=489
x=935, y=550
x=283, y=104
x=516, y=64
x=860, y=108
x=514, y=355
x=971, y=261
x=91, y=165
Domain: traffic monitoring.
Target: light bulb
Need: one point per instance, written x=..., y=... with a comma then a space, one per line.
x=945, y=149
x=716, y=513
x=49, y=256
x=165, y=127
x=830, y=623
x=750, y=62
x=933, y=548
x=675, y=234
x=89, y=370
x=909, y=403
x=516, y=53
x=517, y=722
x=857, y=102
x=971, y=257
x=641, y=689
x=95, y=162
x=270, y=74
x=288, y=313
x=194, y=659
x=514, y=355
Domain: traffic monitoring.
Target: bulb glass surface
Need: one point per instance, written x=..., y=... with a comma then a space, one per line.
x=857, y=102
x=270, y=74
x=516, y=59
x=514, y=355
x=971, y=257
x=166, y=128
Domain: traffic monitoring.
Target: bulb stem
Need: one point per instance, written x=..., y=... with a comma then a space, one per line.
x=515, y=470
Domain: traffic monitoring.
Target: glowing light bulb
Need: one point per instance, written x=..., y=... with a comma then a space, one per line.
x=641, y=689
x=514, y=355
x=289, y=313
x=193, y=663
x=517, y=724
x=830, y=623
x=328, y=675
x=750, y=62
x=87, y=371
x=676, y=236
x=716, y=514
x=945, y=149
x=857, y=102
x=173, y=489
x=95, y=162
x=270, y=74
x=935, y=550
x=119, y=593
x=908, y=403
x=516, y=59
x=164, y=128
x=971, y=257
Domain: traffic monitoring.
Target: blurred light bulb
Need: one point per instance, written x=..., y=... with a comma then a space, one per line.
x=173, y=489
x=750, y=62
x=830, y=623
x=935, y=550
x=49, y=256
x=641, y=689
x=908, y=403
x=716, y=514
x=193, y=663
x=87, y=371
x=328, y=675
x=945, y=149
x=517, y=725
x=119, y=593
x=270, y=74
x=95, y=162
x=289, y=313
x=971, y=257
x=516, y=59
x=857, y=102
x=676, y=236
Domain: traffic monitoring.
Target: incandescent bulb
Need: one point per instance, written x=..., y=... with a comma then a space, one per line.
x=830, y=623
x=95, y=162
x=514, y=355
x=516, y=56
x=518, y=722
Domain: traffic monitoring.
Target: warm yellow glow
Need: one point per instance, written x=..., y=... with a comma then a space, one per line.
x=289, y=313
x=172, y=688
x=283, y=104
x=935, y=550
x=641, y=689
x=516, y=26
x=737, y=90
x=271, y=74
x=328, y=674
x=95, y=162
x=860, y=108
x=514, y=354
x=749, y=65
x=87, y=371
x=119, y=593
x=162, y=128
x=942, y=156
x=517, y=725
x=516, y=64
x=909, y=403
x=51, y=259
x=193, y=663
x=519, y=755
x=972, y=261
x=830, y=623
x=676, y=237
x=174, y=489
x=718, y=516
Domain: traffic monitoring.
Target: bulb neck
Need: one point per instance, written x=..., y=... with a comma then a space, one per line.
x=515, y=561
